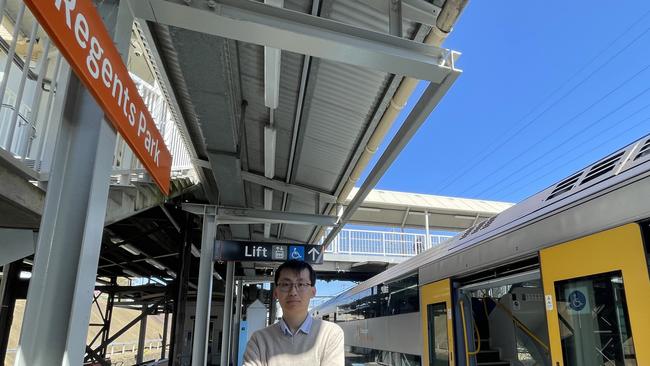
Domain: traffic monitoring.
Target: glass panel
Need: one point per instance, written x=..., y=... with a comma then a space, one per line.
x=438, y=341
x=594, y=323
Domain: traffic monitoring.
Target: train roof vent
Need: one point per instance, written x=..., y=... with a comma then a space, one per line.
x=602, y=167
x=645, y=150
x=564, y=186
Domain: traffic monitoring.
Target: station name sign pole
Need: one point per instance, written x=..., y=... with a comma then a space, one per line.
x=234, y=250
x=80, y=34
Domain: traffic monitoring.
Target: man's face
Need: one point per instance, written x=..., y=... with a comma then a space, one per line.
x=294, y=298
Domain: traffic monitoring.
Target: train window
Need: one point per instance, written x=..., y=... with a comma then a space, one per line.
x=438, y=341
x=402, y=297
x=368, y=356
x=594, y=322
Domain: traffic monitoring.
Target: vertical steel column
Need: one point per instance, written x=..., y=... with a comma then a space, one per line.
x=67, y=253
x=272, y=309
x=427, y=240
x=108, y=317
x=164, y=335
x=141, y=336
x=10, y=273
x=204, y=290
x=227, y=313
x=56, y=317
x=180, y=299
x=237, y=326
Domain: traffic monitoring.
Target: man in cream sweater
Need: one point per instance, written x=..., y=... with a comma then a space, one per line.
x=297, y=339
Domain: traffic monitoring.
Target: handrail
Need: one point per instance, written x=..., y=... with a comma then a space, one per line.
x=478, y=335
x=520, y=324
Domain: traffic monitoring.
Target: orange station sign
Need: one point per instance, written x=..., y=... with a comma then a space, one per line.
x=80, y=34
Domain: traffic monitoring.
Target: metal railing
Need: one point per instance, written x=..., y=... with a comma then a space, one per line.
x=33, y=80
x=382, y=243
x=124, y=347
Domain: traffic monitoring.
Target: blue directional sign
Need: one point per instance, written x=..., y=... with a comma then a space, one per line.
x=235, y=250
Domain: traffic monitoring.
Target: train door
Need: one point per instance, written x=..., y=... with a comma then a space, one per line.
x=501, y=320
x=437, y=329
x=597, y=293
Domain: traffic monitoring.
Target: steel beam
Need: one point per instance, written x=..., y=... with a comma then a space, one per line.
x=163, y=350
x=395, y=17
x=421, y=111
x=230, y=215
x=150, y=310
x=204, y=291
x=141, y=335
x=68, y=247
x=265, y=25
x=293, y=189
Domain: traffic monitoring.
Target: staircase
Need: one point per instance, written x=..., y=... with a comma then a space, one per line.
x=486, y=356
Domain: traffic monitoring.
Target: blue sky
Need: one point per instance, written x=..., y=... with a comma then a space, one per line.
x=547, y=88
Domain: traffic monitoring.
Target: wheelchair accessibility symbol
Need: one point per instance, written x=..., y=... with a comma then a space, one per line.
x=297, y=253
x=577, y=300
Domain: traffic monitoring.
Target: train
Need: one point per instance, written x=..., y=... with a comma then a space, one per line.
x=560, y=279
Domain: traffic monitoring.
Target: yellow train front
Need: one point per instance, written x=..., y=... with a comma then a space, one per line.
x=561, y=278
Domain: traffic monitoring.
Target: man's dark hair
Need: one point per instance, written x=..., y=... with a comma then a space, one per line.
x=297, y=267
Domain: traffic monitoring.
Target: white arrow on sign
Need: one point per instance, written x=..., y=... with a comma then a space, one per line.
x=314, y=254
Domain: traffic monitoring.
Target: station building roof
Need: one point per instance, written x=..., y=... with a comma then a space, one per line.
x=406, y=210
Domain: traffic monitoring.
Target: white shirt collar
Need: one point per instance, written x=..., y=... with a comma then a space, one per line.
x=305, y=327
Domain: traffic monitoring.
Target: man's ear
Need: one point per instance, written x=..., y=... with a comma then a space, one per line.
x=313, y=291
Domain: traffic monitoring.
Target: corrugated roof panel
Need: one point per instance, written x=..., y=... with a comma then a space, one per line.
x=364, y=16
x=338, y=115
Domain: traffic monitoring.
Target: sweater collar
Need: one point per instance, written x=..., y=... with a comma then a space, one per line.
x=305, y=327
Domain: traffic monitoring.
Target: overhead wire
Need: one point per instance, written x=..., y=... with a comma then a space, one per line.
x=551, y=162
x=603, y=143
x=575, y=117
x=561, y=98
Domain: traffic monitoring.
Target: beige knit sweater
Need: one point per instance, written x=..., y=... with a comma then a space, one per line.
x=271, y=347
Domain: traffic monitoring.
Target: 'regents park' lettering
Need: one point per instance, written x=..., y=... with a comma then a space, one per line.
x=78, y=31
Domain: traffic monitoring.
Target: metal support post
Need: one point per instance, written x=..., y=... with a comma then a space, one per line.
x=108, y=317
x=58, y=301
x=236, y=326
x=204, y=290
x=427, y=240
x=10, y=273
x=164, y=335
x=57, y=314
x=180, y=299
x=227, y=313
x=272, y=309
x=141, y=336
